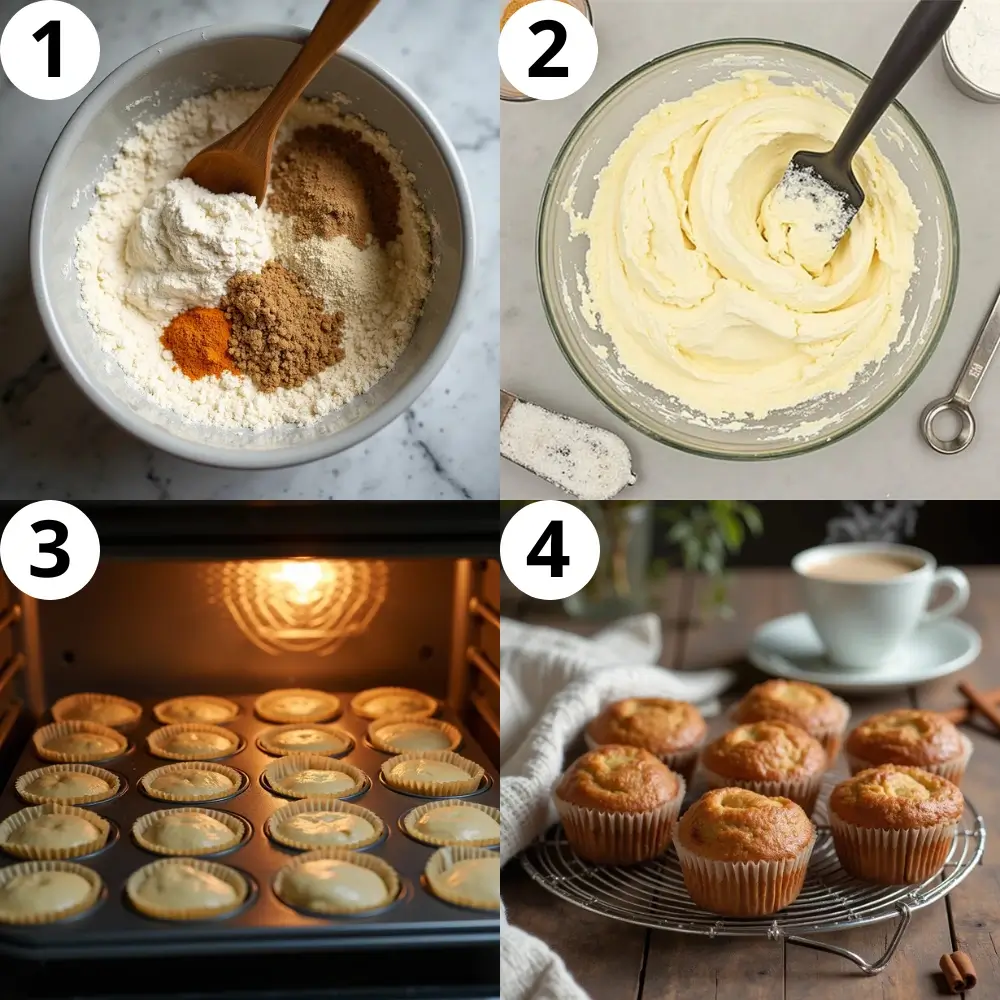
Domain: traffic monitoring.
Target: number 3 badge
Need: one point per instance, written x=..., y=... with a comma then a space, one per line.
x=550, y=550
x=547, y=49
x=49, y=550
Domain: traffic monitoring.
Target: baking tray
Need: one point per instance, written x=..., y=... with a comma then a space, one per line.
x=113, y=929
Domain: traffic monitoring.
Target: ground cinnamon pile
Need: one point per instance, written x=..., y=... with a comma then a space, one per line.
x=281, y=333
x=335, y=184
x=199, y=342
x=512, y=8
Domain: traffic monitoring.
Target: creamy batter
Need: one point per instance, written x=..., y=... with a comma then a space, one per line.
x=721, y=290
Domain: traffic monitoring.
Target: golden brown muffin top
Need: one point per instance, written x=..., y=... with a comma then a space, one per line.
x=735, y=824
x=659, y=725
x=890, y=797
x=619, y=778
x=806, y=705
x=765, y=751
x=906, y=736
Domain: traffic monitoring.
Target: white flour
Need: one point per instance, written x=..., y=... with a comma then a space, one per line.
x=376, y=330
x=974, y=42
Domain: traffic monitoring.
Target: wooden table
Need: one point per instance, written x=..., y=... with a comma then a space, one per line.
x=616, y=961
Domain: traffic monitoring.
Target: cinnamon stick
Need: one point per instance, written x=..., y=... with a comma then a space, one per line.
x=959, y=972
x=979, y=700
x=962, y=713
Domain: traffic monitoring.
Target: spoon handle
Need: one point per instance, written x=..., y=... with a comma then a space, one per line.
x=923, y=29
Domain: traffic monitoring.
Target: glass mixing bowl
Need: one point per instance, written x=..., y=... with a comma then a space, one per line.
x=561, y=259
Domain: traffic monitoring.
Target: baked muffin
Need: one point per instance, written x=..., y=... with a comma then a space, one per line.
x=772, y=758
x=104, y=709
x=192, y=741
x=808, y=706
x=618, y=805
x=744, y=854
x=672, y=730
x=42, y=892
x=910, y=737
x=893, y=824
x=316, y=739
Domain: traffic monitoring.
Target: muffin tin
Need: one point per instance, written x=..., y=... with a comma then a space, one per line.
x=114, y=929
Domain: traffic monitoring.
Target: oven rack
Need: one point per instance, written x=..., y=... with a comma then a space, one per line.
x=653, y=894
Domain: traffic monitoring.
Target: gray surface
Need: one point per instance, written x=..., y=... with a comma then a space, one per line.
x=886, y=459
x=55, y=444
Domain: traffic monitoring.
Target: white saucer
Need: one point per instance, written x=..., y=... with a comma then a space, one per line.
x=789, y=647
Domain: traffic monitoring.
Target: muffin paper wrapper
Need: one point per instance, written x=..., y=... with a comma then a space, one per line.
x=620, y=838
x=234, y=824
x=411, y=818
x=158, y=737
x=238, y=780
x=322, y=803
x=892, y=857
x=65, y=705
x=164, y=715
x=441, y=861
x=743, y=888
x=53, y=916
x=454, y=736
x=56, y=729
x=19, y=819
x=953, y=770
x=283, y=767
x=682, y=762
x=435, y=789
x=28, y=777
x=264, y=739
x=362, y=697
x=383, y=869
x=804, y=791
x=330, y=711
x=228, y=875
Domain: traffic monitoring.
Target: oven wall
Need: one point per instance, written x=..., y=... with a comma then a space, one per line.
x=145, y=629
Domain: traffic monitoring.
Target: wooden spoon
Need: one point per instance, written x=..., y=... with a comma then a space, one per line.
x=240, y=163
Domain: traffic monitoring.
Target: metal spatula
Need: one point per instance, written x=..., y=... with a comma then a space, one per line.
x=810, y=173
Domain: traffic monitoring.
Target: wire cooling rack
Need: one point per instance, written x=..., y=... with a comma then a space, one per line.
x=653, y=894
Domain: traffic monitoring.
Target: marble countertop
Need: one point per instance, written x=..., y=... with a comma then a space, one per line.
x=55, y=445
x=888, y=458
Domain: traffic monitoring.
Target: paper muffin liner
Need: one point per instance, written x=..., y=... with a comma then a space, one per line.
x=383, y=869
x=163, y=713
x=682, y=762
x=442, y=861
x=435, y=789
x=322, y=803
x=803, y=791
x=453, y=734
x=55, y=729
x=62, y=708
x=238, y=779
x=411, y=818
x=53, y=916
x=235, y=824
x=266, y=738
x=330, y=711
x=286, y=766
x=953, y=770
x=359, y=700
x=158, y=737
x=609, y=837
x=891, y=857
x=32, y=853
x=228, y=875
x=20, y=786
x=743, y=888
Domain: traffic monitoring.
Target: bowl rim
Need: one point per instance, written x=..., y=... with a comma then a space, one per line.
x=610, y=400
x=237, y=457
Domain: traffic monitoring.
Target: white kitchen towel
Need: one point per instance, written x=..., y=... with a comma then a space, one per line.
x=551, y=684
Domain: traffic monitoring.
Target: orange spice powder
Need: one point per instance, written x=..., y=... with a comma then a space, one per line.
x=199, y=342
x=513, y=7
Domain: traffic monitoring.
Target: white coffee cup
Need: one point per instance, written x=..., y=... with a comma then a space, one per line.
x=866, y=598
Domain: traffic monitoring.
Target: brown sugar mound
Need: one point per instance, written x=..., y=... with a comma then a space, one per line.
x=281, y=333
x=335, y=184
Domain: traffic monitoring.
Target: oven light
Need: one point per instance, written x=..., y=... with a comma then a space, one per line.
x=304, y=581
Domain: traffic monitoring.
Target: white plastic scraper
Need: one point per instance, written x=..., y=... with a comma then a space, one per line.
x=586, y=461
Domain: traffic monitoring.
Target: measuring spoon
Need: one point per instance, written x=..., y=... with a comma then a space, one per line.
x=960, y=400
